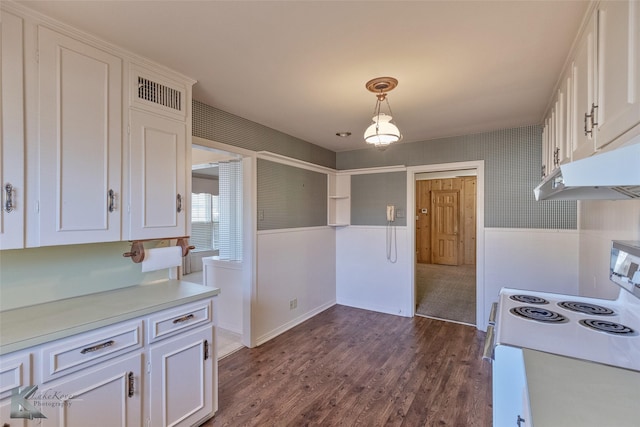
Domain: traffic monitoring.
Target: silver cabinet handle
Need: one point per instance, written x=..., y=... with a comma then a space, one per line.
x=183, y=319
x=130, y=384
x=98, y=347
x=179, y=203
x=592, y=119
x=8, y=204
x=586, y=132
x=112, y=200
x=492, y=313
x=487, y=352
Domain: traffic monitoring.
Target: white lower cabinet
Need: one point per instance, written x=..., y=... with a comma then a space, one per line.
x=106, y=396
x=113, y=376
x=15, y=371
x=510, y=393
x=181, y=381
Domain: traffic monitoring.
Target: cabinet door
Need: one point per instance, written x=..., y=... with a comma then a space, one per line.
x=158, y=177
x=80, y=101
x=12, y=142
x=510, y=393
x=107, y=396
x=15, y=371
x=566, y=91
x=583, y=77
x=183, y=380
x=618, y=69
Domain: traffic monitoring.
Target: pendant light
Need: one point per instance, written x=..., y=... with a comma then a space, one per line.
x=382, y=132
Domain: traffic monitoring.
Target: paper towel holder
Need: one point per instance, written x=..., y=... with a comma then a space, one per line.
x=137, y=248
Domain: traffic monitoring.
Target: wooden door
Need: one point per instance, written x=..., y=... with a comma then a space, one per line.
x=445, y=206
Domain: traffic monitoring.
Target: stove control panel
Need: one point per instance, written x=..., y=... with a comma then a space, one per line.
x=625, y=265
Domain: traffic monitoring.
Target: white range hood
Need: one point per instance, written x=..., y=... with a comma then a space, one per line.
x=614, y=175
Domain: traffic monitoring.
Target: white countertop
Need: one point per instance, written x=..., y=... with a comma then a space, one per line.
x=570, y=392
x=29, y=326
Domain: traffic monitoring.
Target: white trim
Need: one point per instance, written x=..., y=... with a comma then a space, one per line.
x=279, y=158
x=376, y=227
x=480, y=230
x=365, y=171
x=293, y=230
x=250, y=224
x=298, y=320
x=530, y=230
x=221, y=146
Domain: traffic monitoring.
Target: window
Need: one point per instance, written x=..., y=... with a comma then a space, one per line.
x=205, y=222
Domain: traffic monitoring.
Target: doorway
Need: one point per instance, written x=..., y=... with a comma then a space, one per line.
x=222, y=229
x=448, y=215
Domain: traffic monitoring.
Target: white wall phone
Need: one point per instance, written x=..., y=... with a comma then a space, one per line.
x=391, y=213
x=391, y=235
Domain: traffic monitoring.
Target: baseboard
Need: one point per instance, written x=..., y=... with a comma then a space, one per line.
x=379, y=309
x=295, y=322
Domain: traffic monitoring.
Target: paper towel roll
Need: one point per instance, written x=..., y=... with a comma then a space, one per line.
x=159, y=258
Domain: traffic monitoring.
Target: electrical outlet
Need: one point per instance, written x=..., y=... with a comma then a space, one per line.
x=293, y=304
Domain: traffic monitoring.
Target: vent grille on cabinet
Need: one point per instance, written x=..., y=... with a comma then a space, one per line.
x=160, y=94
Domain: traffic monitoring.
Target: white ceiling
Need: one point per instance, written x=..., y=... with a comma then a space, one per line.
x=300, y=66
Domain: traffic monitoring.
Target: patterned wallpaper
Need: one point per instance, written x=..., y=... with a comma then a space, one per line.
x=512, y=169
x=220, y=126
x=512, y=164
x=290, y=197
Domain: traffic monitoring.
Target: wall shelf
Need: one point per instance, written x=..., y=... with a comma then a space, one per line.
x=339, y=205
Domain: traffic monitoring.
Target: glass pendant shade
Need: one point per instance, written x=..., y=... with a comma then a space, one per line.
x=382, y=132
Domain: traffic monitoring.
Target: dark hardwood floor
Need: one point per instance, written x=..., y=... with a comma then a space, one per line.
x=348, y=367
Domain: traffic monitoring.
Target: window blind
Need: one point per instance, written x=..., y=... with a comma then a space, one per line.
x=230, y=199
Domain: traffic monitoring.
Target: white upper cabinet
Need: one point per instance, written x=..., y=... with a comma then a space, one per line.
x=598, y=97
x=160, y=142
x=584, y=91
x=96, y=141
x=618, y=104
x=80, y=146
x=12, y=143
x=158, y=191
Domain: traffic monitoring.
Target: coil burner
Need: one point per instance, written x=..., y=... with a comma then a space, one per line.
x=608, y=327
x=586, y=308
x=529, y=299
x=539, y=314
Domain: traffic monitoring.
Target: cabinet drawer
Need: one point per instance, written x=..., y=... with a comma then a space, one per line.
x=15, y=371
x=79, y=352
x=173, y=321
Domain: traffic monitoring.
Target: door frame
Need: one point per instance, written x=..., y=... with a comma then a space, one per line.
x=249, y=224
x=478, y=165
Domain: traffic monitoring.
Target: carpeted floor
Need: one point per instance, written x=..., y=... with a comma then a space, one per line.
x=447, y=292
